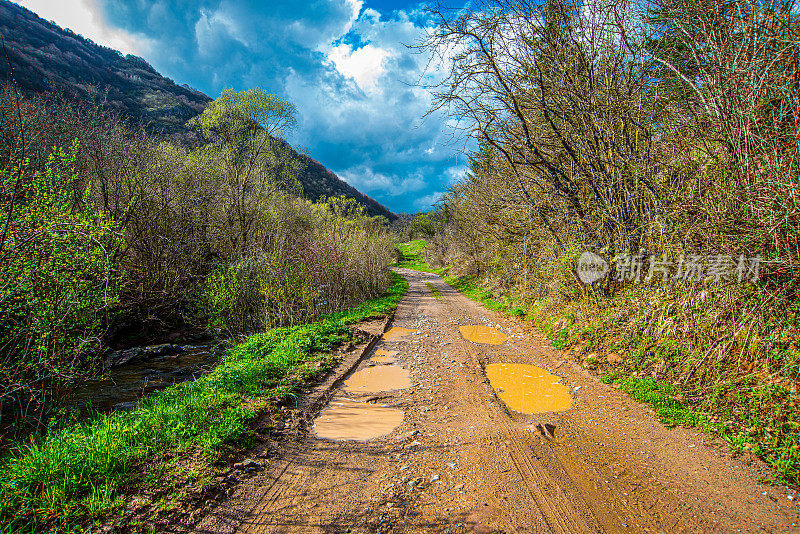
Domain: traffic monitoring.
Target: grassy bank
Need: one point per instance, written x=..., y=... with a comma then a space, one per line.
x=81, y=472
x=657, y=343
x=638, y=340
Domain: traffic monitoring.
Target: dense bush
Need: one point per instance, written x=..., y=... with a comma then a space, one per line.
x=118, y=237
x=336, y=256
x=57, y=280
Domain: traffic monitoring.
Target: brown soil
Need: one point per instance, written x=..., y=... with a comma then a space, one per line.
x=461, y=461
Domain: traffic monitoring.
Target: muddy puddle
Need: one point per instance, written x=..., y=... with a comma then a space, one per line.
x=382, y=359
x=482, y=334
x=528, y=389
x=395, y=333
x=382, y=352
x=377, y=379
x=344, y=419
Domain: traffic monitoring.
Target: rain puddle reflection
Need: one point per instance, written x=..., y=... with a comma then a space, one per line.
x=482, y=334
x=395, y=333
x=345, y=419
x=528, y=389
x=376, y=379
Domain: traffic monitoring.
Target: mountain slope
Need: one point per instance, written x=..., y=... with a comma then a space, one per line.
x=46, y=57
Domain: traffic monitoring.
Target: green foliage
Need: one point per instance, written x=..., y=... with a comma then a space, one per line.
x=57, y=274
x=237, y=115
x=80, y=470
x=335, y=256
x=412, y=253
x=422, y=225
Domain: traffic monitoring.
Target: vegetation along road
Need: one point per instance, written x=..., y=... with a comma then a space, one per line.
x=464, y=457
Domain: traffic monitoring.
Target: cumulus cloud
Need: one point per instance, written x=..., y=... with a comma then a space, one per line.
x=344, y=64
x=364, y=65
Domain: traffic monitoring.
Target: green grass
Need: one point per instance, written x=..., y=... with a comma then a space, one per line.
x=474, y=291
x=434, y=290
x=413, y=254
x=80, y=472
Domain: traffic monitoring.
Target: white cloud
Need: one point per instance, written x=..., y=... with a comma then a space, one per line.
x=364, y=65
x=426, y=203
x=347, y=68
x=85, y=18
x=367, y=180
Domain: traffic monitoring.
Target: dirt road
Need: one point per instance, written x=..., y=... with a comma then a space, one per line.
x=461, y=461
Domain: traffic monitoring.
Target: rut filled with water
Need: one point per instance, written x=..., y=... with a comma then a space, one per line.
x=478, y=333
x=345, y=419
x=528, y=389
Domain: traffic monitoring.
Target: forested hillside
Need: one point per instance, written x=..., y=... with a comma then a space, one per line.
x=47, y=58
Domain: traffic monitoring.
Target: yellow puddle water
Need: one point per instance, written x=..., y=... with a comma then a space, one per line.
x=482, y=334
x=375, y=379
x=344, y=419
x=382, y=359
x=381, y=352
x=395, y=332
x=527, y=388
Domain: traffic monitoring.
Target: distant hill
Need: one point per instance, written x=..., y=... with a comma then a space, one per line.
x=46, y=57
x=318, y=181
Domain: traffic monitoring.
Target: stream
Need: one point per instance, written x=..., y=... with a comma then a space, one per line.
x=124, y=385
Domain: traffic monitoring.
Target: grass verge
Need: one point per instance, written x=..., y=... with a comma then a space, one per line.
x=434, y=290
x=78, y=474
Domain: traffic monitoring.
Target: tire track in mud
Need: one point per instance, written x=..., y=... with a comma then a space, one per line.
x=556, y=509
x=581, y=504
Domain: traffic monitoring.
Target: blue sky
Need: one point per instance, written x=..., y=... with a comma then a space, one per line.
x=344, y=63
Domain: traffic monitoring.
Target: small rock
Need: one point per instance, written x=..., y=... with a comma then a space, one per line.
x=409, y=435
x=412, y=445
x=415, y=482
x=435, y=478
x=248, y=464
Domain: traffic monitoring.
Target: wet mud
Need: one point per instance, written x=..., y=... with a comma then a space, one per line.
x=377, y=379
x=395, y=333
